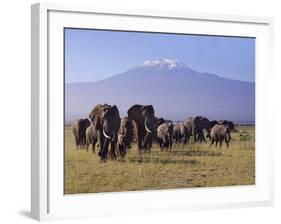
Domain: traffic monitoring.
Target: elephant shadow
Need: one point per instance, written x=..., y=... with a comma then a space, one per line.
x=195, y=153
x=166, y=161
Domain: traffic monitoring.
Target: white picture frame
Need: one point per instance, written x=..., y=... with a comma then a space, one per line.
x=48, y=201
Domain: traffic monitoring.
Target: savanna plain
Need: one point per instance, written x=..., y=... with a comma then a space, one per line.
x=193, y=165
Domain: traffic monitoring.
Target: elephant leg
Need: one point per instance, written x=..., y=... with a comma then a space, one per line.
x=184, y=139
x=150, y=143
x=220, y=143
x=113, y=151
x=203, y=137
x=120, y=150
x=84, y=142
x=196, y=138
x=139, y=149
x=167, y=143
x=212, y=142
x=87, y=145
x=76, y=143
x=229, y=137
x=161, y=143
x=100, y=141
x=170, y=145
x=139, y=141
x=147, y=140
x=226, y=142
x=216, y=143
x=146, y=143
x=80, y=143
x=187, y=138
x=164, y=146
x=124, y=150
x=194, y=132
x=103, y=152
x=94, y=146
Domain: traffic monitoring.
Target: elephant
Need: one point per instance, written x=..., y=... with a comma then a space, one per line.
x=144, y=122
x=219, y=133
x=79, y=127
x=196, y=126
x=106, y=121
x=91, y=137
x=125, y=135
x=180, y=133
x=165, y=135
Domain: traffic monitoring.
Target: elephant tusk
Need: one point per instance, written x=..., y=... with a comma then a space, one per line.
x=105, y=135
x=146, y=128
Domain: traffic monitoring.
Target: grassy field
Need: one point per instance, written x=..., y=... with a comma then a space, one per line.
x=192, y=166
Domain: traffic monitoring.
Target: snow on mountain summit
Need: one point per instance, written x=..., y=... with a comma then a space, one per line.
x=163, y=64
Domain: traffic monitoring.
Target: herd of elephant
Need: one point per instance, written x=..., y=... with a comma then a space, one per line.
x=105, y=127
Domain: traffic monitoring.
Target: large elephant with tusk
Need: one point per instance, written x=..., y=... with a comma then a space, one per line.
x=144, y=122
x=106, y=122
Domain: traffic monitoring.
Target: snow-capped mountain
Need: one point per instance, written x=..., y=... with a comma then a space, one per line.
x=175, y=91
x=163, y=64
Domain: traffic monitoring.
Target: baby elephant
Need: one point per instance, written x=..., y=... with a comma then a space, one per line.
x=165, y=135
x=122, y=145
x=91, y=138
x=219, y=133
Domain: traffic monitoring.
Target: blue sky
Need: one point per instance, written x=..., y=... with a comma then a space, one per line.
x=92, y=55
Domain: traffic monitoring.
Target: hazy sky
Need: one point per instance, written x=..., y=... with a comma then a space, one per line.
x=92, y=55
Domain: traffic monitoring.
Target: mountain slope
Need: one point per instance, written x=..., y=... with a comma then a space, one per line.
x=175, y=91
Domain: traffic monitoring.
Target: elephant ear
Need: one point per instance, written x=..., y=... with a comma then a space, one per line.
x=95, y=116
x=148, y=109
x=135, y=113
x=95, y=112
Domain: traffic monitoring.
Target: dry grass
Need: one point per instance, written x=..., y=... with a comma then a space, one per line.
x=193, y=166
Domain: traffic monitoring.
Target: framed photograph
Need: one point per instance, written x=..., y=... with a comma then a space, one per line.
x=148, y=111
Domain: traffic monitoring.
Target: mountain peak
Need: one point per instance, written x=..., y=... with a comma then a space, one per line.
x=163, y=64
